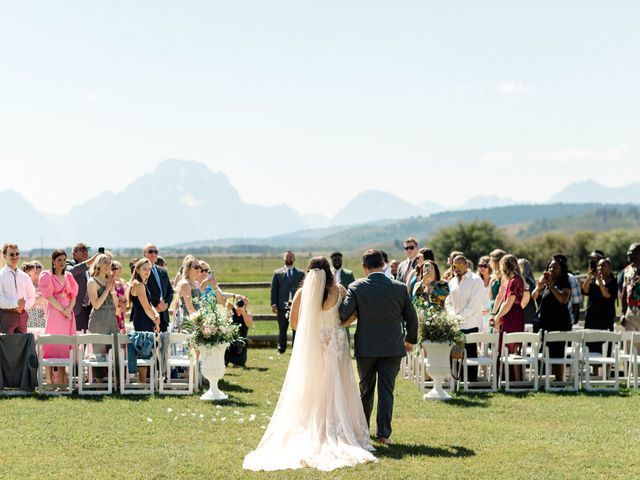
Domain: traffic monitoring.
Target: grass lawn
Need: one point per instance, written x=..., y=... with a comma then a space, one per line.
x=473, y=436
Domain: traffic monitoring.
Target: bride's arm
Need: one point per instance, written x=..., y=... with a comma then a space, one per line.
x=295, y=310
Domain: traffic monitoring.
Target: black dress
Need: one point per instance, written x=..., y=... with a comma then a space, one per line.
x=554, y=316
x=140, y=319
x=530, y=309
x=237, y=352
x=601, y=312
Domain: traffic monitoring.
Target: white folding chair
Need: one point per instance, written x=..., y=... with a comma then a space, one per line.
x=487, y=360
x=88, y=359
x=126, y=386
x=603, y=359
x=66, y=361
x=526, y=359
x=634, y=362
x=571, y=359
x=169, y=360
x=625, y=353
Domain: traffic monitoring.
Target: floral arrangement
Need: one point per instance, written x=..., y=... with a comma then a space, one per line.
x=437, y=325
x=211, y=324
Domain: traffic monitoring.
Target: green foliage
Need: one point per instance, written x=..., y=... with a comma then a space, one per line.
x=211, y=324
x=475, y=239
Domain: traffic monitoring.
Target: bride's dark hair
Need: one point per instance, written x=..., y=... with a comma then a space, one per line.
x=323, y=264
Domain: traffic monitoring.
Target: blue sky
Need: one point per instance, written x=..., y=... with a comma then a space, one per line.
x=309, y=103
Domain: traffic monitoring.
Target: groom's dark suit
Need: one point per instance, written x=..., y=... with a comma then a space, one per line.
x=386, y=318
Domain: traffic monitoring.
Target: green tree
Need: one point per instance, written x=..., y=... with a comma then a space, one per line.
x=474, y=239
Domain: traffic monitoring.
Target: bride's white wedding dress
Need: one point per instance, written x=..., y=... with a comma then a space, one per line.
x=318, y=421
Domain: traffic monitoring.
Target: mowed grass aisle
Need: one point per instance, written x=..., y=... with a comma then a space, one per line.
x=482, y=436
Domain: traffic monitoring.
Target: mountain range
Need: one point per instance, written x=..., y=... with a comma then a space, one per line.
x=133, y=217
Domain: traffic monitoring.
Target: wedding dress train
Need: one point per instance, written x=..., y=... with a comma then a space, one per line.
x=318, y=421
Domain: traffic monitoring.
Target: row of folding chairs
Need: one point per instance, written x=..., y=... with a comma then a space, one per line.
x=530, y=353
x=82, y=360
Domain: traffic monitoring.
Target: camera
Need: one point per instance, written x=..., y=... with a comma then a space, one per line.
x=240, y=303
x=593, y=265
x=101, y=250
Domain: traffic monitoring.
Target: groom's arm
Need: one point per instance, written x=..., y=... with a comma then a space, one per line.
x=349, y=305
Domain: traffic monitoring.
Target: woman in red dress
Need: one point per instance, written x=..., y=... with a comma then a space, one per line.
x=510, y=316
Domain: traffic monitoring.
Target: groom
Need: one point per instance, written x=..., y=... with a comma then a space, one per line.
x=387, y=328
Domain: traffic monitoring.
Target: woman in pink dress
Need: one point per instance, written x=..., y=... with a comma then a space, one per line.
x=60, y=289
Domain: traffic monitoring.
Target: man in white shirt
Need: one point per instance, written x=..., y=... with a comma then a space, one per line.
x=17, y=293
x=466, y=299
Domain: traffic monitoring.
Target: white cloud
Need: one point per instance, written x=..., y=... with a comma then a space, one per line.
x=513, y=88
x=579, y=155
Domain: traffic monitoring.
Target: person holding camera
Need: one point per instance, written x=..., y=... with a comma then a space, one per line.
x=601, y=287
x=236, y=353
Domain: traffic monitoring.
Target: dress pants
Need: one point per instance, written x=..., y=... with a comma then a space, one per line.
x=283, y=327
x=472, y=351
x=13, y=322
x=82, y=318
x=384, y=370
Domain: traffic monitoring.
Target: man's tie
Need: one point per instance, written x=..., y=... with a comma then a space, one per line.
x=157, y=277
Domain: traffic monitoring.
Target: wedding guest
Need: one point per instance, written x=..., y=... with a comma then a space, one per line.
x=17, y=293
x=450, y=272
x=630, y=299
x=79, y=268
x=209, y=284
x=188, y=289
x=342, y=275
x=494, y=285
x=60, y=289
x=601, y=289
x=432, y=289
x=178, y=276
x=236, y=353
x=408, y=264
x=284, y=284
x=510, y=316
x=120, y=287
x=161, y=262
x=416, y=274
x=393, y=268
x=466, y=300
x=36, y=312
x=576, y=301
x=159, y=286
x=386, y=269
x=143, y=316
x=104, y=299
x=552, y=294
x=528, y=307
x=484, y=272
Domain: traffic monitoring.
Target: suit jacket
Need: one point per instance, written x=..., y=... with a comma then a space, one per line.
x=282, y=289
x=167, y=289
x=346, y=277
x=79, y=272
x=402, y=269
x=386, y=316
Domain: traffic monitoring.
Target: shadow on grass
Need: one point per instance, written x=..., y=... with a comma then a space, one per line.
x=232, y=387
x=399, y=450
x=257, y=369
x=470, y=400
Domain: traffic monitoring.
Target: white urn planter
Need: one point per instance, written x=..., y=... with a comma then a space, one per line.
x=212, y=360
x=438, y=368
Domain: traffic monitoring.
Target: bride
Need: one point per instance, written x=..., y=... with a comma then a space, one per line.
x=318, y=421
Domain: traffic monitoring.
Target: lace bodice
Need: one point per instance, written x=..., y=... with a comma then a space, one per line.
x=332, y=335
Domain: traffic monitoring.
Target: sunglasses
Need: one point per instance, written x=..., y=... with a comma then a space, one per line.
x=13, y=254
x=196, y=267
x=204, y=270
x=411, y=247
x=115, y=268
x=483, y=265
x=152, y=251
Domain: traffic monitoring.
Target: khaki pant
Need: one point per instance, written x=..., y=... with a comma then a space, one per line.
x=632, y=319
